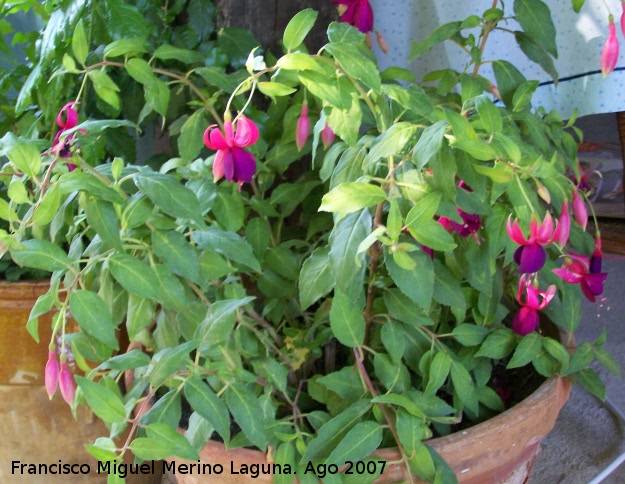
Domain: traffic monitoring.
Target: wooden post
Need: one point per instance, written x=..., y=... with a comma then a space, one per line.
x=268, y=18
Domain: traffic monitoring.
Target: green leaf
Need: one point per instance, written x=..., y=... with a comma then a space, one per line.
x=315, y=280
x=140, y=71
x=40, y=254
x=498, y=344
x=529, y=347
x=123, y=19
x=297, y=61
x=423, y=210
x=24, y=156
x=207, y=404
x=437, y=36
x=479, y=150
x=489, y=114
x=229, y=244
x=105, y=403
x=346, y=236
x=535, y=19
x=439, y=369
x=331, y=433
x=87, y=182
x=298, y=27
x=168, y=435
x=447, y=289
x=134, y=275
x=537, y=52
x=591, y=382
x=218, y=323
x=470, y=334
x=170, y=360
x=140, y=314
x=402, y=401
x=430, y=143
x=46, y=209
x=356, y=65
x=126, y=361
x=392, y=141
x=352, y=196
x=577, y=5
x=508, y=78
x=346, y=320
x=247, y=412
x=177, y=253
x=170, y=195
x=169, y=52
x=102, y=217
x=523, y=95
x=151, y=449
x=93, y=316
x=582, y=357
x=125, y=46
x=167, y=410
x=80, y=46
x=346, y=383
x=464, y=387
x=275, y=89
x=362, y=439
x=417, y=283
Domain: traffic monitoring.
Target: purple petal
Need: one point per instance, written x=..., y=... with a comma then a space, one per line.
x=525, y=321
x=244, y=165
x=532, y=259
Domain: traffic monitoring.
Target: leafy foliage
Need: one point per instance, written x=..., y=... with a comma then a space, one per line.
x=327, y=308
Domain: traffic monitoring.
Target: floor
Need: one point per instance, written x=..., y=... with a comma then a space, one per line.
x=588, y=436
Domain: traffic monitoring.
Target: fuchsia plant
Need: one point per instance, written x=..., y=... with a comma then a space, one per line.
x=318, y=287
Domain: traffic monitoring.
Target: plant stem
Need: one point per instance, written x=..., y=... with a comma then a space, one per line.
x=373, y=266
x=374, y=393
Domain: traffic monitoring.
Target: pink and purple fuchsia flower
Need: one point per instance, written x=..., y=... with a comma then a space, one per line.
x=357, y=13
x=531, y=255
x=62, y=144
x=231, y=160
x=609, y=54
x=526, y=320
x=586, y=272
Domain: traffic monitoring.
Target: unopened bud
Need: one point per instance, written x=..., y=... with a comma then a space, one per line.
x=303, y=128
x=67, y=384
x=51, y=375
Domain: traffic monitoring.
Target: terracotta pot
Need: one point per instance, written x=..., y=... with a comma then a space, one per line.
x=501, y=450
x=22, y=359
x=36, y=430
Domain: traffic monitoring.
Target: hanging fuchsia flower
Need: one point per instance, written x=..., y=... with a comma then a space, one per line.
x=62, y=144
x=580, y=212
x=531, y=255
x=358, y=13
x=527, y=319
x=231, y=160
x=327, y=136
x=51, y=375
x=67, y=384
x=586, y=272
x=609, y=54
x=303, y=128
x=471, y=223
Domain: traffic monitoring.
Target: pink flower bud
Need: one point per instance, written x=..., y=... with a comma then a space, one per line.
x=327, y=136
x=51, y=375
x=67, y=383
x=564, y=226
x=609, y=54
x=580, y=212
x=303, y=128
x=381, y=42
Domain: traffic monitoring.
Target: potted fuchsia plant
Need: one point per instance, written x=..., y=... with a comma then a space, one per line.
x=333, y=262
